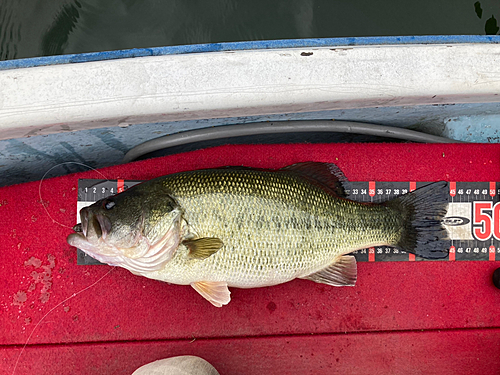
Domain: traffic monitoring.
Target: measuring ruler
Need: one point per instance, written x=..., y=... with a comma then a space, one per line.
x=472, y=220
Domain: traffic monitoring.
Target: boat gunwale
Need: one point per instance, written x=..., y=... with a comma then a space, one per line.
x=246, y=45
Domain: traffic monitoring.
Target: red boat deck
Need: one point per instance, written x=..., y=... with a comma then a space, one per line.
x=437, y=317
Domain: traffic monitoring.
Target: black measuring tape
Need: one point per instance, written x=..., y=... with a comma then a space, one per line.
x=472, y=221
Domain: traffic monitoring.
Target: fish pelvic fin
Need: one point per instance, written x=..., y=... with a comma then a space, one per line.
x=215, y=292
x=423, y=209
x=202, y=248
x=343, y=272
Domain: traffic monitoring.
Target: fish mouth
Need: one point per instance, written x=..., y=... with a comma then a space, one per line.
x=95, y=225
x=90, y=235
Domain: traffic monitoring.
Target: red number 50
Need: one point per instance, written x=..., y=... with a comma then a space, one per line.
x=484, y=222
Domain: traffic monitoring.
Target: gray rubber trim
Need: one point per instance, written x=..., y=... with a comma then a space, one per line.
x=276, y=127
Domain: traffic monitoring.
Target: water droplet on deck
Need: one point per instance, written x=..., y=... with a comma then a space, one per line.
x=19, y=298
x=44, y=297
x=35, y=262
x=271, y=306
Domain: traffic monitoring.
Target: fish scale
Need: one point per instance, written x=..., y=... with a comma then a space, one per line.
x=274, y=226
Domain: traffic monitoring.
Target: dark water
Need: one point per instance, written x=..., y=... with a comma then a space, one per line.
x=31, y=28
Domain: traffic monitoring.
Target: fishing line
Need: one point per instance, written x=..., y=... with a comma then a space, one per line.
x=43, y=177
x=65, y=226
x=52, y=309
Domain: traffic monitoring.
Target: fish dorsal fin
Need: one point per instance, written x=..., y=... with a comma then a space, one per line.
x=326, y=173
x=215, y=292
x=342, y=272
x=202, y=248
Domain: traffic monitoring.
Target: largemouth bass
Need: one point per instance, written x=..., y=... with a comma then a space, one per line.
x=247, y=228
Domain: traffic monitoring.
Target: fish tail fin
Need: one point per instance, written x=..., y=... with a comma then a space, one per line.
x=423, y=209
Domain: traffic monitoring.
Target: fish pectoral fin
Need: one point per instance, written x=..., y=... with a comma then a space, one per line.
x=217, y=293
x=202, y=248
x=343, y=272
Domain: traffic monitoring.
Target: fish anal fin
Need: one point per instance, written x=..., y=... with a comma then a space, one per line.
x=327, y=174
x=343, y=272
x=202, y=248
x=215, y=292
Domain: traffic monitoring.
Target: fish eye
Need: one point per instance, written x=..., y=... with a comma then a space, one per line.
x=108, y=205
